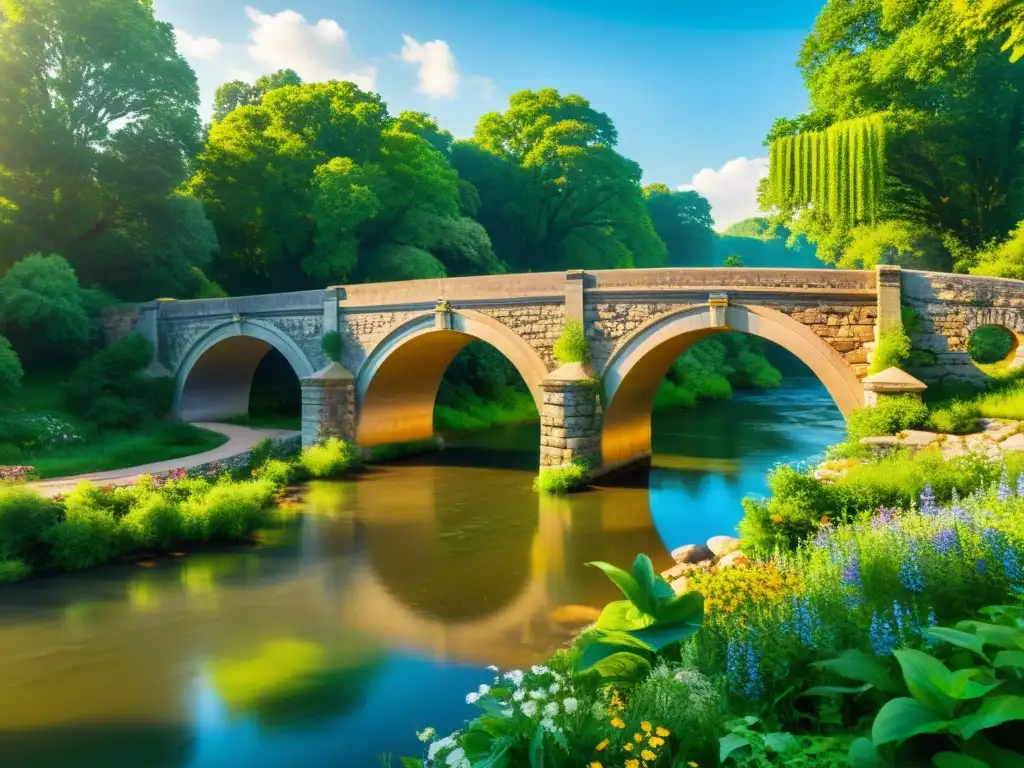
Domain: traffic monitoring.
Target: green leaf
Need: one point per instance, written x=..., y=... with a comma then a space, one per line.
x=901, y=718
x=729, y=744
x=994, y=634
x=781, y=743
x=831, y=690
x=604, y=645
x=411, y=762
x=650, y=580
x=964, y=687
x=957, y=760
x=537, y=749
x=626, y=666
x=928, y=679
x=659, y=635
x=1009, y=659
x=626, y=584
x=622, y=615
x=864, y=754
x=957, y=638
x=686, y=608
x=994, y=711
x=496, y=759
x=477, y=741
x=857, y=665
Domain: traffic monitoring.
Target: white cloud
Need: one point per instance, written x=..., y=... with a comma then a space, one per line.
x=486, y=87
x=197, y=47
x=731, y=190
x=438, y=75
x=316, y=52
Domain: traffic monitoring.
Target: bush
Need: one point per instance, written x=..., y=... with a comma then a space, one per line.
x=332, y=346
x=13, y=570
x=155, y=523
x=989, y=344
x=109, y=389
x=230, y=510
x=87, y=537
x=11, y=371
x=562, y=479
x=40, y=296
x=572, y=346
x=25, y=516
x=38, y=432
x=958, y=418
x=891, y=415
x=329, y=458
x=892, y=351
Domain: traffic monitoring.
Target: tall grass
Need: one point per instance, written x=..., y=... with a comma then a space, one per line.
x=474, y=412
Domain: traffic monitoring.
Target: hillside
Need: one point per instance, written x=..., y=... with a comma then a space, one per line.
x=749, y=239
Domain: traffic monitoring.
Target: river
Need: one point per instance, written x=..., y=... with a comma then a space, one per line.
x=373, y=607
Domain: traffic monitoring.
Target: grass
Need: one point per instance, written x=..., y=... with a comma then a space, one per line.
x=565, y=479
x=474, y=412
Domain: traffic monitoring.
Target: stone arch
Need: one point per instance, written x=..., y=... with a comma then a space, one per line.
x=397, y=384
x=635, y=369
x=214, y=378
x=1009, y=320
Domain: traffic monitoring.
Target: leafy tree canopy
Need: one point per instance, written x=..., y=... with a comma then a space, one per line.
x=554, y=193
x=319, y=184
x=40, y=296
x=683, y=221
x=98, y=118
x=239, y=93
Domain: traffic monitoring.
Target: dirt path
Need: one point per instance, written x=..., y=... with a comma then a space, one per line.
x=240, y=439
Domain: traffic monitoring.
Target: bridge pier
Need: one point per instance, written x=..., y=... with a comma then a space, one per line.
x=570, y=422
x=329, y=405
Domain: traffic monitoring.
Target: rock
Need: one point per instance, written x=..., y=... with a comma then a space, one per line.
x=881, y=445
x=723, y=545
x=675, y=572
x=1013, y=443
x=692, y=553
x=733, y=559
x=679, y=586
x=575, y=614
x=918, y=438
x=997, y=430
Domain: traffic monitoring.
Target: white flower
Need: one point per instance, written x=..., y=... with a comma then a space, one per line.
x=554, y=688
x=438, y=745
x=484, y=689
x=530, y=708
x=515, y=676
x=506, y=712
x=426, y=734
x=539, y=669
x=492, y=668
x=548, y=725
x=538, y=695
x=519, y=695
x=551, y=708
x=570, y=705
x=457, y=758
x=472, y=697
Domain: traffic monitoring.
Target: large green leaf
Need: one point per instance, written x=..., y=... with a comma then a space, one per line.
x=957, y=760
x=781, y=743
x=864, y=754
x=537, y=748
x=626, y=584
x=857, y=665
x=956, y=637
x=498, y=758
x=832, y=690
x=410, y=762
x=902, y=718
x=687, y=608
x=625, y=666
x=994, y=711
x=601, y=645
x=1013, y=659
x=729, y=744
x=664, y=633
x=928, y=679
x=650, y=580
x=994, y=634
x=622, y=615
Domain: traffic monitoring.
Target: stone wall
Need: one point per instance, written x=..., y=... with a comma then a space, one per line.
x=570, y=424
x=539, y=324
x=363, y=330
x=118, y=322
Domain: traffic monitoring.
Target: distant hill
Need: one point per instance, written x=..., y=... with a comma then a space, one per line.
x=749, y=239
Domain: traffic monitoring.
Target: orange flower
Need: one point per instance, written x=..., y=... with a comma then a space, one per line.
x=776, y=519
x=825, y=519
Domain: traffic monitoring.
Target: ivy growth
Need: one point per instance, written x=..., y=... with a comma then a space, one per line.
x=572, y=346
x=332, y=346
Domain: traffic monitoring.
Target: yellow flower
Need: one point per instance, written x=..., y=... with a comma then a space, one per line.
x=655, y=741
x=602, y=745
x=648, y=755
x=693, y=764
x=637, y=737
x=663, y=732
x=634, y=763
x=628, y=747
x=645, y=727
x=595, y=764
x=617, y=723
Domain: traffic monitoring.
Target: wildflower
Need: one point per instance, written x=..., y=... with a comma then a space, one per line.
x=471, y=698
x=539, y=669
x=628, y=747
x=692, y=764
x=484, y=689
x=851, y=572
x=910, y=572
x=634, y=763
x=1003, y=492
x=519, y=695
x=928, y=506
x=776, y=519
x=507, y=712
x=554, y=688
x=882, y=639
x=551, y=709
x=663, y=732
x=884, y=518
x=638, y=737
x=570, y=705
x=515, y=677
x=595, y=764
x=548, y=724
x=946, y=541
x=1020, y=484
x=897, y=614
x=754, y=687
x=457, y=758
x=655, y=741
x=538, y=695
x=825, y=520
x=734, y=661
x=604, y=743
x=804, y=621
x=617, y=722
x=492, y=668
x=530, y=708
x=645, y=727
x=438, y=745
x=426, y=734
x=648, y=755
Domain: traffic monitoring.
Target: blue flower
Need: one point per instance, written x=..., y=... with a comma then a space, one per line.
x=885, y=517
x=804, y=621
x=851, y=572
x=997, y=543
x=946, y=541
x=981, y=566
x=883, y=640
x=910, y=572
x=1003, y=492
x=754, y=687
x=1020, y=484
x=734, y=661
x=823, y=537
x=928, y=506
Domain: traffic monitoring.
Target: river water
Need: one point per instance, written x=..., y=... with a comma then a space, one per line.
x=373, y=607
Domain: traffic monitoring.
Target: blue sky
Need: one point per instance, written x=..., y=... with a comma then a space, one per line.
x=692, y=86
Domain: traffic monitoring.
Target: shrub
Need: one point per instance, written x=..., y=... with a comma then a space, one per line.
x=155, y=523
x=572, y=346
x=891, y=415
x=231, y=510
x=13, y=570
x=88, y=536
x=11, y=371
x=893, y=350
x=958, y=418
x=989, y=344
x=562, y=479
x=332, y=346
x=25, y=516
x=40, y=296
x=330, y=458
x=38, y=432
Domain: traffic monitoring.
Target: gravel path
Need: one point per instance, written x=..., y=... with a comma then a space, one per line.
x=240, y=439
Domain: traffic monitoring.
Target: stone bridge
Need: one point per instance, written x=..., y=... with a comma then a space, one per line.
x=398, y=339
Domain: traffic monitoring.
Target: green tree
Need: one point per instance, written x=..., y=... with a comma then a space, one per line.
x=239, y=93
x=733, y=260
x=901, y=88
x=554, y=193
x=98, y=118
x=683, y=222
x=10, y=370
x=42, y=305
x=318, y=183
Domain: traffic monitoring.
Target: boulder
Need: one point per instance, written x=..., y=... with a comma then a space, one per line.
x=1013, y=443
x=723, y=545
x=681, y=585
x=692, y=554
x=733, y=559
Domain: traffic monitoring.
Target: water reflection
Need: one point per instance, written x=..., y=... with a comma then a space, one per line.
x=370, y=614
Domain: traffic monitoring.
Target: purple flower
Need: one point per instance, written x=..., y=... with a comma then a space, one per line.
x=885, y=517
x=946, y=542
x=1020, y=484
x=883, y=640
x=754, y=687
x=1003, y=492
x=823, y=537
x=928, y=506
x=997, y=543
x=804, y=621
x=851, y=572
x=910, y=572
x=981, y=567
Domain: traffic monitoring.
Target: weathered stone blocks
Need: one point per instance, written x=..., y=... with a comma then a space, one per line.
x=329, y=405
x=570, y=419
